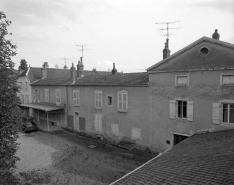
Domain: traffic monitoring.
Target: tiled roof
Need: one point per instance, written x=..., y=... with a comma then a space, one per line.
x=205, y=158
x=35, y=73
x=116, y=79
x=124, y=79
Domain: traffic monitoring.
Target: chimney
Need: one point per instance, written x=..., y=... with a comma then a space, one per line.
x=44, y=70
x=216, y=35
x=81, y=70
x=166, y=51
x=73, y=74
x=114, y=70
x=78, y=69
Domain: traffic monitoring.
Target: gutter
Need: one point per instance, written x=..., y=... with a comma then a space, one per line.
x=138, y=168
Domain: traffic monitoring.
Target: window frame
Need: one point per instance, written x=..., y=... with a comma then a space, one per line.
x=122, y=93
x=47, y=95
x=221, y=79
x=36, y=95
x=99, y=99
x=173, y=109
x=111, y=105
x=77, y=99
x=58, y=97
x=176, y=80
x=228, y=113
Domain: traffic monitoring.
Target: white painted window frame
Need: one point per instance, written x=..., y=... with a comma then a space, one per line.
x=76, y=100
x=58, y=96
x=47, y=95
x=173, y=109
x=221, y=79
x=98, y=99
x=122, y=93
x=176, y=80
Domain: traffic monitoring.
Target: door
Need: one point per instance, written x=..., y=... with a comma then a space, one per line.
x=76, y=121
x=98, y=123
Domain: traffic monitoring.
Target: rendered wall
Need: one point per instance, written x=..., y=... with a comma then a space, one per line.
x=204, y=89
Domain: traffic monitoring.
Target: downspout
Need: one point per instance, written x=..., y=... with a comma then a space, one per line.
x=47, y=122
x=66, y=108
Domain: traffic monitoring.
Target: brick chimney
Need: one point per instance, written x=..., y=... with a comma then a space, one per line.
x=216, y=35
x=73, y=74
x=44, y=70
x=80, y=68
x=114, y=70
x=166, y=51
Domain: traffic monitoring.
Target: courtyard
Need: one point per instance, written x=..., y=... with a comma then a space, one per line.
x=60, y=157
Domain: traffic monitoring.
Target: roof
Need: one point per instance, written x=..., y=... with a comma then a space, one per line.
x=43, y=107
x=124, y=79
x=205, y=158
x=35, y=73
x=207, y=39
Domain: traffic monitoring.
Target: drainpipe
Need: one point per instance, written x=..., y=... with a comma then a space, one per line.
x=47, y=122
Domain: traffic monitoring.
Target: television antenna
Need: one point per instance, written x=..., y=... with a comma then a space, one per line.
x=82, y=49
x=167, y=34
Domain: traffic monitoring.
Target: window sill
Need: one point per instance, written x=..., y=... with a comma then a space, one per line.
x=227, y=124
x=124, y=111
x=182, y=85
x=98, y=108
x=109, y=105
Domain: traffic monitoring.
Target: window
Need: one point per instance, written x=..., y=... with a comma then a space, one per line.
x=98, y=123
x=47, y=95
x=26, y=86
x=228, y=112
x=181, y=80
x=98, y=99
x=36, y=96
x=227, y=79
x=58, y=96
x=109, y=101
x=76, y=98
x=26, y=99
x=181, y=109
x=122, y=101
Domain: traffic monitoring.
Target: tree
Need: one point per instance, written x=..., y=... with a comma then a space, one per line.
x=10, y=114
x=23, y=65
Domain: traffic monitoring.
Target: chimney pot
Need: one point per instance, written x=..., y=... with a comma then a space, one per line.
x=216, y=35
x=114, y=70
x=73, y=74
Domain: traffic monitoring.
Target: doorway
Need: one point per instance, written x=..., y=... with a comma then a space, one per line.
x=178, y=138
x=76, y=121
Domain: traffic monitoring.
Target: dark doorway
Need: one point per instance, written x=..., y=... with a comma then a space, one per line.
x=178, y=138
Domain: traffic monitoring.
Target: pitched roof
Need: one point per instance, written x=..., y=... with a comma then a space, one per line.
x=205, y=158
x=34, y=73
x=124, y=79
x=207, y=39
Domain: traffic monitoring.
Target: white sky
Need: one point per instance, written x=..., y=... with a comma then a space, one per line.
x=117, y=31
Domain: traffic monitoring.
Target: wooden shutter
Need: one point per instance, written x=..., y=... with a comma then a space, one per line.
x=190, y=111
x=216, y=113
x=120, y=105
x=172, y=109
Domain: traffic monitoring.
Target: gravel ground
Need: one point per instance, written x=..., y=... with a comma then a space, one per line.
x=62, y=158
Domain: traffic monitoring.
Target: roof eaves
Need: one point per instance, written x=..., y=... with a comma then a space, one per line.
x=215, y=41
x=125, y=85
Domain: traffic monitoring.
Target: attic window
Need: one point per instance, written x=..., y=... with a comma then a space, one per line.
x=204, y=51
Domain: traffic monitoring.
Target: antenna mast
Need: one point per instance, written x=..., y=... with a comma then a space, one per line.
x=167, y=34
x=82, y=49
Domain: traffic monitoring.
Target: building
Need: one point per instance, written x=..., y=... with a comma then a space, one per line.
x=191, y=90
x=204, y=158
x=112, y=106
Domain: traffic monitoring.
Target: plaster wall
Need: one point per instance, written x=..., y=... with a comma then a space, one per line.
x=204, y=89
x=136, y=116
x=23, y=91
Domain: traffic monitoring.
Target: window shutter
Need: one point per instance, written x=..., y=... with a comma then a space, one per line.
x=190, y=111
x=172, y=109
x=216, y=112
